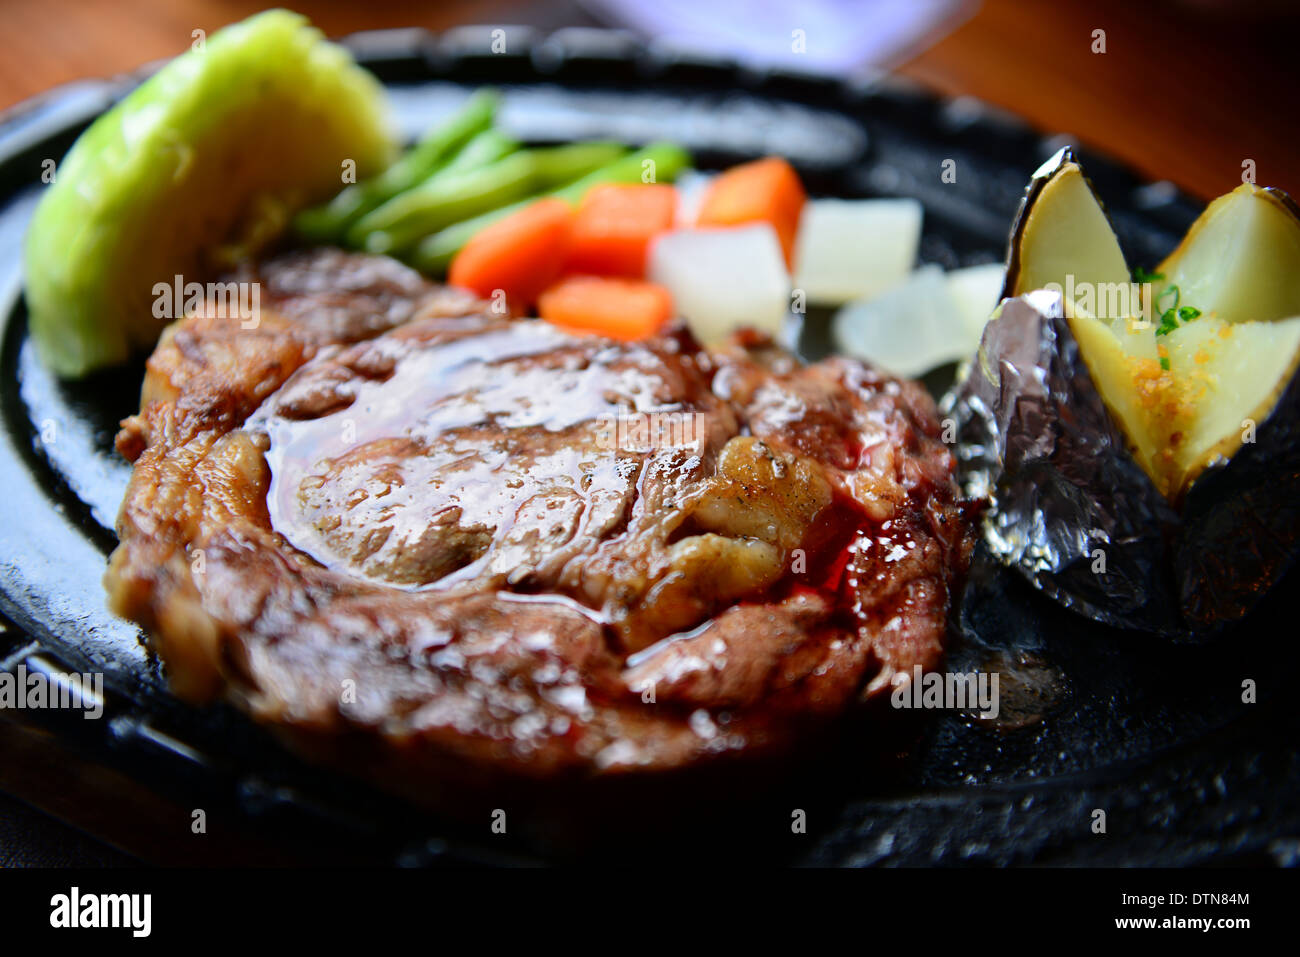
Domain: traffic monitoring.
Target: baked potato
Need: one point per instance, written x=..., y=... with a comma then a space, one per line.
x=1137, y=435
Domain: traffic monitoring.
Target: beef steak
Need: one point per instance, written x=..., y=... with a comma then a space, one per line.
x=446, y=543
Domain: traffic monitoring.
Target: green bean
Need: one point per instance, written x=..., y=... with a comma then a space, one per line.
x=434, y=254
x=480, y=153
x=327, y=223
x=557, y=165
x=402, y=220
x=487, y=147
x=451, y=197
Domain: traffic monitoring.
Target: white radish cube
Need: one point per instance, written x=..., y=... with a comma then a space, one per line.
x=909, y=329
x=850, y=249
x=721, y=279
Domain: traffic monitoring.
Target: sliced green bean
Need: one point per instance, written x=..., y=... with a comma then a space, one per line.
x=487, y=147
x=557, y=165
x=449, y=197
x=479, y=154
x=664, y=160
x=327, y=223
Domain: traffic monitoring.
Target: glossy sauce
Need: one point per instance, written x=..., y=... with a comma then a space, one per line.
x=450, y=432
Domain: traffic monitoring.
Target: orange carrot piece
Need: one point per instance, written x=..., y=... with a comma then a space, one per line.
x=521, y=254
x=615, y=225
x=626, y=309
x=766, y=190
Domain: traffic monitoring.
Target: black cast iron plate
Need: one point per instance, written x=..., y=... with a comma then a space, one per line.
x=1156, y=736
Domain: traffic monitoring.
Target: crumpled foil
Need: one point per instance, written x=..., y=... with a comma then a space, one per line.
x=1073, y=511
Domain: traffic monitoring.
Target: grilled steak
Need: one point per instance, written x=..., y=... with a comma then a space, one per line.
x=395, y=526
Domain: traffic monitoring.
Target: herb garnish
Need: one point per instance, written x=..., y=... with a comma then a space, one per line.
x=1171, y=312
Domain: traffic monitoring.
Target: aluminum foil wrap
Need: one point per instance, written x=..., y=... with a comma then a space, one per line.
x=1074, y=512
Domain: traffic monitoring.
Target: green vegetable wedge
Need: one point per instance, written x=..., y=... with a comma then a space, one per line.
x=203, y=162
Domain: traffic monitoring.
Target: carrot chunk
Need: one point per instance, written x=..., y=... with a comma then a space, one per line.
x=521, y=254
x=626, y=309
x=615, y=225
x=766, y=190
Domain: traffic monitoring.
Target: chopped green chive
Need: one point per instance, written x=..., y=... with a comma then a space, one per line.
x=1170, y=311
x=1160, y=299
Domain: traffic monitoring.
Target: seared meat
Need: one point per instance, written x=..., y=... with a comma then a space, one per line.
x=483, y=546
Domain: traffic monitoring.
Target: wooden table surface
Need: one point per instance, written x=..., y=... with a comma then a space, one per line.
x=1178, y=94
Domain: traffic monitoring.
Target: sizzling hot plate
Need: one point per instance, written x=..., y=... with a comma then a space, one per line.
x=1154, y=735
